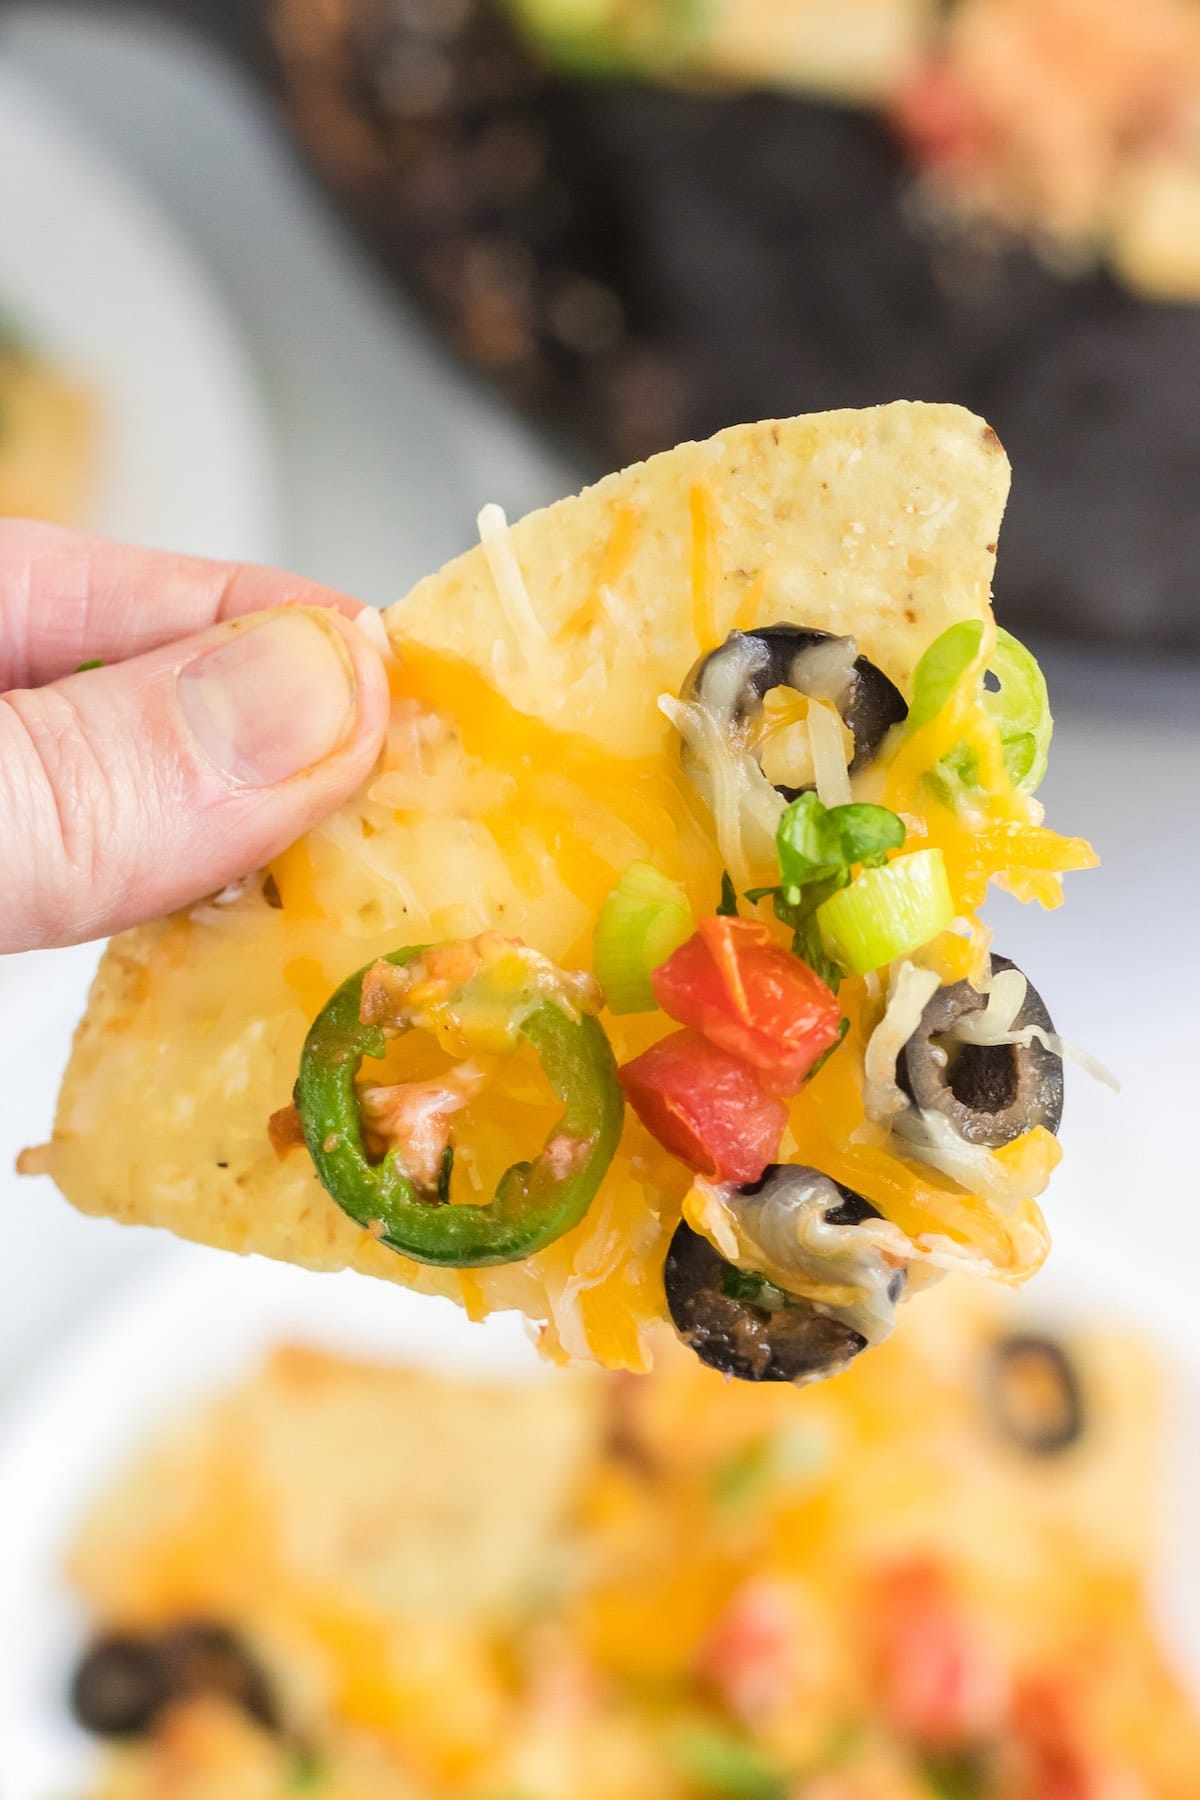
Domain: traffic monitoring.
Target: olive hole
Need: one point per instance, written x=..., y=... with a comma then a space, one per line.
x=982, y=1077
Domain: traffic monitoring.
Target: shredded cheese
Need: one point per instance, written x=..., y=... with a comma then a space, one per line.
x=703, y=566
x=910, y=992
x=494, y=535
x=826, y=737
x=745, y=807
x=369, y=622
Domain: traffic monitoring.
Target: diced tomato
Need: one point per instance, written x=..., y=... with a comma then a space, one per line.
x=938, y=1684
x=1050, y=1745
x=743, y=991
x=937, y=117
x=706, y=1107
x=751, y=1657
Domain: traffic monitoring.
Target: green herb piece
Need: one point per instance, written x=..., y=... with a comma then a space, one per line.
x=817, y=843
x=307, y=1771
x=954, y=1774
x=641, y=921
x=750, y=1286
x=721, y=1765
x=445, y=1171
x=818, y=848
x=790, y=1454
x=843, y=1028
x=743, y=1474
x=728, y=908
x=1013, y=693
x=85, y=666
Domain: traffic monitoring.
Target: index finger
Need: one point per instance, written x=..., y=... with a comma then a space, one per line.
x=67, y=599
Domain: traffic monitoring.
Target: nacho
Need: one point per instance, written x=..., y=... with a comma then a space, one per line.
x=675, y=1589
x=749, y=675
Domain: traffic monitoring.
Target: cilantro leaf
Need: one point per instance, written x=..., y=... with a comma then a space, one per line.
x=819, y=844
x=95, y=663
x=753, y=1288
x=728, y=908
x=818, y=848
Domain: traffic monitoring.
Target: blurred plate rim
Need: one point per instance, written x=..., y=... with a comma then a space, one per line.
x=187, y=454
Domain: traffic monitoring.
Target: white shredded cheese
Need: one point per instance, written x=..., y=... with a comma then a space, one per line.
x=994, y=1025
x=369, y=622
x=931, y=1138
x=1060, y=1046
x=825, y=736
x=623, y=617
x=746, y=809
x=910, y=993
x=991, y=1023
x=494, y=535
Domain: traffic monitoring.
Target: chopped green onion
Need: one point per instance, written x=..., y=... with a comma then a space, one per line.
x=1018, y=704
x=818, y=847
x=744, y=1475
x=717, y=1763
x=887, y=912
x=307, y=1771
x=954, y=1774
x=644, y=918
x=95, y=663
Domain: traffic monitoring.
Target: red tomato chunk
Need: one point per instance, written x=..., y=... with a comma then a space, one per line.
x=705, y=1106
x=732, y=982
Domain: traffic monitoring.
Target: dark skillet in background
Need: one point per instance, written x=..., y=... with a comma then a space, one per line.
x=634, y=265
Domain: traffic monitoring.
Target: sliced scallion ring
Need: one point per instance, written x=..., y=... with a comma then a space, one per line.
x=642, y=920
x=1018, y=703
x=887, y=912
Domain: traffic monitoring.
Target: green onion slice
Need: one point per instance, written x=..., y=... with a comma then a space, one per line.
x=642, y=920
x=1018, y=702
x=887, y=912
x=723, y=1764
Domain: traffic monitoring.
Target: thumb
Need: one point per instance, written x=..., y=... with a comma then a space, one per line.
x=130, y=790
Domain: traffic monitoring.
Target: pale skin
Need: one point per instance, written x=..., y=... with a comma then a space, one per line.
x=236, y=706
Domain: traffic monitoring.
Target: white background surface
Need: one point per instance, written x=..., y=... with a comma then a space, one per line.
x=383, y=455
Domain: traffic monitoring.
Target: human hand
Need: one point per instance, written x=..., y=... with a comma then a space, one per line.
x=215, y=732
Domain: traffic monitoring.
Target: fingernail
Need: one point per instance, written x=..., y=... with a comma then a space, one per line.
x=275, y=698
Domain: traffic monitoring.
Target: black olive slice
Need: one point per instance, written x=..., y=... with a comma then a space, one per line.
x=1034, y=1394
x=118, y=1686
x=736, y=678
x=715, y=1316
x=991, y=1093
x=124, y=1681
x=202, y=1658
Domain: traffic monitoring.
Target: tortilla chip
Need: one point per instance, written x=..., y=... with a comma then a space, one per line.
x=525, y=769
x=325, y=1479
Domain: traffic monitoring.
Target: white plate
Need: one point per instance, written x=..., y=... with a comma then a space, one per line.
x=204, y=1318
x=99, y=278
